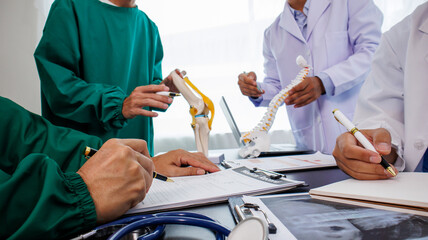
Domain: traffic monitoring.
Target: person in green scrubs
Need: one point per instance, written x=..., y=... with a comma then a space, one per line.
x=48, y=190
x=99, y=63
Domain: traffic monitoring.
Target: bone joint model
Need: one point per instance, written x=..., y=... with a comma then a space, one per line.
x=257, y=140
x=199, y=109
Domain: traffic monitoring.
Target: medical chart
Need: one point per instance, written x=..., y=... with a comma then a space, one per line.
x=209, y=188
x=286, y=163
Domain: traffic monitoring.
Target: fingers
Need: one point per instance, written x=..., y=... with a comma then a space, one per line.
x=152, y=88
x=140, y=154
x=303, y=100
x=198, y=160
x=188, y=171
x=297, y=92
x=170, y=163
x=137, y=145
x=248, y=85
x=145, y=96
x=366, y=171
x=180, y=73
x=117, y=176
x=381, y=140
x=145, y=168
x=305, y=92
x=153, y=100
x=356, y=161
x=150, y=99
x=252, y=76
x=348, y=148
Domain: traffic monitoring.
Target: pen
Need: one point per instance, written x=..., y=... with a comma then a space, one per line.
x=342, y=119
x=169, y=94
x=89, y=152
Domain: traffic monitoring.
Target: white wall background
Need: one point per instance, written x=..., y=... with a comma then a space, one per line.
x=20, y=30
x=212, y=40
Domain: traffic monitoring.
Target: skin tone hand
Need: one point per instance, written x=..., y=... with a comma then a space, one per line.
x=170, y=164
x=124, y=3
x=363, y=164
x=169, y=82
x=248, y=84
x=118, y=177
x=309, y=90
x=145, y=96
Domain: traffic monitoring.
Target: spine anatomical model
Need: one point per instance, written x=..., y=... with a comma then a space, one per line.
x=257, y=140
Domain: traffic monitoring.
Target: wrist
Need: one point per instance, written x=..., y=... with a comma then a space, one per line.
x=320, y=83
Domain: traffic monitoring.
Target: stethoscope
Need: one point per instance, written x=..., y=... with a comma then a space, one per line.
x=250, y=228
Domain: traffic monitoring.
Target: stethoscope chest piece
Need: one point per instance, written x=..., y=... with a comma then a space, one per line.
x=252, y=228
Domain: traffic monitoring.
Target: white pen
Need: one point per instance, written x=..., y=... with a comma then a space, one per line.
x=169, y=94
x=342, y=119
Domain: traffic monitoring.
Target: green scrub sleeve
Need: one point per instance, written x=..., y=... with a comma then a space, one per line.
x=39, y=201
x=59, y=63
x=42, y=196
x=23, y=133
x=157, y=71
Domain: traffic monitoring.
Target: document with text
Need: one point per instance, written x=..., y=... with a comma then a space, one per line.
x=285, y=163
x=210, y=188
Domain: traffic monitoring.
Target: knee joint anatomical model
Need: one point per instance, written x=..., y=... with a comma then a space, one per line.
x=257, y=140
x=199, y=110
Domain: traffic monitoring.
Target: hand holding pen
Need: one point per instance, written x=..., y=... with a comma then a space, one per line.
x=248, y=85
x=117, y=177
x=145, y=96
x=89, y=152
x=360, y=163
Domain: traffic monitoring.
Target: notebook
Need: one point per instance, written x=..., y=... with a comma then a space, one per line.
x=275, y=149
x=407, y=192
x=210, y=188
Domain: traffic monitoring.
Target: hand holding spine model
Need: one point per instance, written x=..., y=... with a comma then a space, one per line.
x=257, y=140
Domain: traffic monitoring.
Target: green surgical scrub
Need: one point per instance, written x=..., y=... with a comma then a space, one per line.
x=91, y=56
x=41, y=195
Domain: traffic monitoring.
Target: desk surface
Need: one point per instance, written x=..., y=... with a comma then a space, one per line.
x=220, y=212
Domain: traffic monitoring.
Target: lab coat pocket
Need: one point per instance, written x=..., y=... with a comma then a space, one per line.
x=338, y=47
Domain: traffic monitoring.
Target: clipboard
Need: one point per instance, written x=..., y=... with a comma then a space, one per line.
x=191, y=191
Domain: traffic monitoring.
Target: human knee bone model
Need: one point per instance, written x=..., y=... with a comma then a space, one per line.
x=200, y=108
x=257, y=140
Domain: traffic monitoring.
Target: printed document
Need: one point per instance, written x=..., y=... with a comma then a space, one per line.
x=209, y=188
x=286, y=163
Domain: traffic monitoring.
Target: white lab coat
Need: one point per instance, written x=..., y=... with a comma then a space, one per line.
x=342, y=36
x=395, y=95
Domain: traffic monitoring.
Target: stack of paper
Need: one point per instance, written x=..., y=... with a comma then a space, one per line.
x=408, y=192
x=209, y=188
x=285, y=163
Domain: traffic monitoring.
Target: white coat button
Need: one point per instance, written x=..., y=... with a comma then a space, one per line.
x=419, y=145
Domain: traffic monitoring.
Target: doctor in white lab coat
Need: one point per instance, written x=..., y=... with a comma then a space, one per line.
x=393, y=103
x=338, y=39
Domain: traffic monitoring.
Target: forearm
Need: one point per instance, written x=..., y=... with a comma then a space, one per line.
x=40, y=201
x=25, y=133
x=70, y=97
